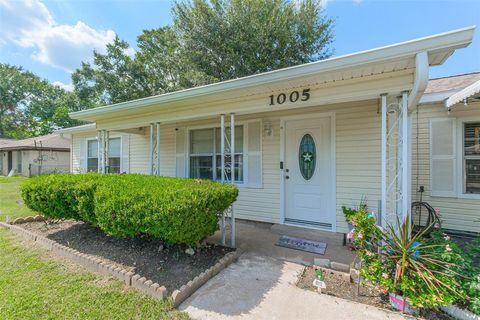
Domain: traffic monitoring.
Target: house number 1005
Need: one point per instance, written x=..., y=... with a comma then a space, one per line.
x=294, y=96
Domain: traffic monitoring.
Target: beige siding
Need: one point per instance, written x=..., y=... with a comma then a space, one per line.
x=357, y=141
x=456, y=212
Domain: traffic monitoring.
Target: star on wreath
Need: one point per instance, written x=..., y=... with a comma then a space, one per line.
x=307, y=156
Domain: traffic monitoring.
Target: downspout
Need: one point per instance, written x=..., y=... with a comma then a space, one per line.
x=421, y=79
x=419, y=86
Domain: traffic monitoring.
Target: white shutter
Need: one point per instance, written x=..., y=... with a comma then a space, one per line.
x=180, y=152
x=82, y=157
x=125, y=156
x=254, y=154
x=442, y=157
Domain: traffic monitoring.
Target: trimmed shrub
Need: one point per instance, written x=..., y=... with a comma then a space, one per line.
x=60, y=196
x=176, y=210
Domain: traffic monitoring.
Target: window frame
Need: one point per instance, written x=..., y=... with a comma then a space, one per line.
x=460, y=159
x=214, y=153
x=96, y=141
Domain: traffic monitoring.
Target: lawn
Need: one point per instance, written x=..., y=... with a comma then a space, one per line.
x=11, y=202
x=34, y=285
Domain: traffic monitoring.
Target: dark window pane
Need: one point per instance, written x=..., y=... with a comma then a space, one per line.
x=114, y=165
x=238, y=167
x=472, y=175
x=92, y=164
x=201, y=167
x=307, y=156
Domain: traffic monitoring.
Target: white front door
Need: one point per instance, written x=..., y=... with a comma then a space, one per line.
x=309, y=194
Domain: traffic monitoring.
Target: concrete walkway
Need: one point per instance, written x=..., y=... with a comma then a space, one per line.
x=261, y=287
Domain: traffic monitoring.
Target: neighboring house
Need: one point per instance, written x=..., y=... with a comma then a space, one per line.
x=308, y=139
x=34, y=156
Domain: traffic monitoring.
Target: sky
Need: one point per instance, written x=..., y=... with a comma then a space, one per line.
x=52, y=37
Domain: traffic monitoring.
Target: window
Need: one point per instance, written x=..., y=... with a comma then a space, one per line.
x=113, y=155
x=92, y=156
x=205, y=154
x=471, y=157
x=19, y=161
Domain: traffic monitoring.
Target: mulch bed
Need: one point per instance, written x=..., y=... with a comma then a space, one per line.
x=153, y=259
x=339, y=285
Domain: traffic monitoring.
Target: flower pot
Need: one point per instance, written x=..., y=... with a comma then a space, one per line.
x=401, y=304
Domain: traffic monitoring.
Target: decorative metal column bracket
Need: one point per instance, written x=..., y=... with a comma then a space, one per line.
x=154, y=149
x=227, y=163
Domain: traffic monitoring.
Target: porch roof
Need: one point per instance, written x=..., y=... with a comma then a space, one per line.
x=380, y=61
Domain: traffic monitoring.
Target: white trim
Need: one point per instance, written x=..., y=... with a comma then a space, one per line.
x=87, y=139
x=333, y=172
x=383, y=207
x=465, y=93
x=460, y=164
x=244, y=183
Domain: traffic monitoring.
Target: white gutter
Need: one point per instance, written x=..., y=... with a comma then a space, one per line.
x=421, y=79
x=463, y=94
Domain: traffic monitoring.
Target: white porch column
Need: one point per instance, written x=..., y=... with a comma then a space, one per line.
x=106, y=167
x=99, y=151
x=222, y=147
x=222, y=171
x=383, y=207
x=232, y=155
x=405, y=205
x=151, y=148
x=158, y=148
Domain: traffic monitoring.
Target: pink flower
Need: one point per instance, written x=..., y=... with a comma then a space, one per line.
x=360, y=236
x=350, y=235
x=446, y=237
x=369, y=253
x=385, y=275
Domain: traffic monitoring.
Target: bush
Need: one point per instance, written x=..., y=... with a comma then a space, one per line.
x=173, y=209
x=61, y=196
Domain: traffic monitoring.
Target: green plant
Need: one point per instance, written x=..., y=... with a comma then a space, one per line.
x=174, y=209
x=350, y=212
x=422, y=270
x=319, y=274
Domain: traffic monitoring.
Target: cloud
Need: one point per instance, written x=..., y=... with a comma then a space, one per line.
x=30, y=24
x=66, y=87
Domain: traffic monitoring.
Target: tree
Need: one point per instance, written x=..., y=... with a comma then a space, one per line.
x=236, y=38
x=210, y=41
x=31, y=106
x=158, y=67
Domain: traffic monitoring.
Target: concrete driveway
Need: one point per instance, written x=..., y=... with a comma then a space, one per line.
x=261, y=287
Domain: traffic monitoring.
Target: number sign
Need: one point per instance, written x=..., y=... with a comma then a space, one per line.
x=293, y=97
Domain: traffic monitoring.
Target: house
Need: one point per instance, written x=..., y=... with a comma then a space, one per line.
x=34, y=156
x=308, y=139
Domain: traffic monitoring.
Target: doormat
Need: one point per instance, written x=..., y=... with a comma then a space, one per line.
x=302, y=244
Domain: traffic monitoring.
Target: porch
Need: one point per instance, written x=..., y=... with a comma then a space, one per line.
x=260, y=238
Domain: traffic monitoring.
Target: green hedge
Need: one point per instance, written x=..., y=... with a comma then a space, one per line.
x=173, y=209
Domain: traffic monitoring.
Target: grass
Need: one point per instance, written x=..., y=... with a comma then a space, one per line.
x=36, y=286
x=11, y=202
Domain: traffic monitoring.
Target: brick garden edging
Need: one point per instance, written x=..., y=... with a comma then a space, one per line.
x=97, y=265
